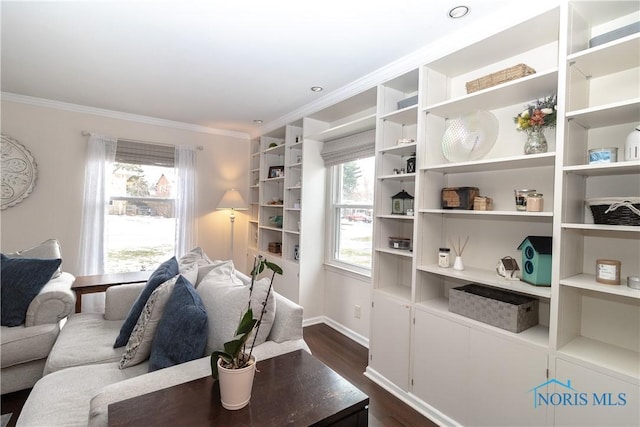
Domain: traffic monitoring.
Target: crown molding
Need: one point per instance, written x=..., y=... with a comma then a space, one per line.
x=65, y=106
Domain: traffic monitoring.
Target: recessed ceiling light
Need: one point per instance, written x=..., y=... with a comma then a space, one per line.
x=316, y=88
x=458, y=12
x=258, y=122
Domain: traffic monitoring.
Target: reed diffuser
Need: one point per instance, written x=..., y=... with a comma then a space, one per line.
x=458, y=249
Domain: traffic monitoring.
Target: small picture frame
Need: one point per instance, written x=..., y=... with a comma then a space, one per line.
x=276, y=171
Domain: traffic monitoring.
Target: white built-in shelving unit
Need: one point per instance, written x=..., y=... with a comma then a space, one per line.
x=454, y=369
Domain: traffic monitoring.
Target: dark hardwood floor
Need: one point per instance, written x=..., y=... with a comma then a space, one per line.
x=349, y=359
x=343, y=355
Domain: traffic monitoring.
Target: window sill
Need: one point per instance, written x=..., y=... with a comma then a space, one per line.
x=345, y=270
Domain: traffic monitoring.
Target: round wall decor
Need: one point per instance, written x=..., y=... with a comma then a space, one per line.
x=18, y=172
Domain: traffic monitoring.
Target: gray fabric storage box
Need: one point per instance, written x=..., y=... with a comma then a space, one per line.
x=496, y=307
x=615, y=34
x=407, y=102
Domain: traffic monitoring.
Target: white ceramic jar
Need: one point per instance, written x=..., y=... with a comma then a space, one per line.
x=632, y=145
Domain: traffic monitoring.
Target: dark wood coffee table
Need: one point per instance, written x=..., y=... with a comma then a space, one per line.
x=292, y=389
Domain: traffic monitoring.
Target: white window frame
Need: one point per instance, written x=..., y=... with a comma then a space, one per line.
x=333, y=230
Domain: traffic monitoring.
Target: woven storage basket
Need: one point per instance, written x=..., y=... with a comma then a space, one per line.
x=502, y=76
x=615, y=210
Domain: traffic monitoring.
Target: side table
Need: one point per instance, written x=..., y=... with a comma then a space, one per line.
x=100, y=282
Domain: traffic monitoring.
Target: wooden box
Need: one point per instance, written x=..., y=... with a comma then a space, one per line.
x=459, y=197
x=275, y=247
x=482, y=203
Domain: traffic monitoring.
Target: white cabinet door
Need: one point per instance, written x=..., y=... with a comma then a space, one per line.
x=389, y=344
x=502, y=373
x=601, y=400
x=441, y=364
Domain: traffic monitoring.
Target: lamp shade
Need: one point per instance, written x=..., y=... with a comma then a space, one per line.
x=232, y=199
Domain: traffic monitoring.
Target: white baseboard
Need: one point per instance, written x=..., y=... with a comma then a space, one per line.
x=410, y=399
x=360, y=339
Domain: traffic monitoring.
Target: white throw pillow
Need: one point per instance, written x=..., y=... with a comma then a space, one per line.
x=225, y=298
x=139, y=344
x=49, y=249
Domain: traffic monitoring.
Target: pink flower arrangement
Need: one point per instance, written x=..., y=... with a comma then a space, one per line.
x=538, y=116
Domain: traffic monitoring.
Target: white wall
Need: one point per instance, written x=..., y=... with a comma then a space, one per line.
x=342, y=292
x=54, y=208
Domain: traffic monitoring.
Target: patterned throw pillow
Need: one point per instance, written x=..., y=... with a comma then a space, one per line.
x=139, y=345
x=164, y=272
x=182, y=332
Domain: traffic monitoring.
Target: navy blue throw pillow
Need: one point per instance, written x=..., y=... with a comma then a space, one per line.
x=22, y=280
x=167, y=270
x=182, y=331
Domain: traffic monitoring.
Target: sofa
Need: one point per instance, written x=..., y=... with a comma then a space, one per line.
x=83, y=374
x=24, y=348
x=36, y=297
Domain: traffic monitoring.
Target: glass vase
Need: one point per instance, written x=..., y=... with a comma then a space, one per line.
x=536, y=142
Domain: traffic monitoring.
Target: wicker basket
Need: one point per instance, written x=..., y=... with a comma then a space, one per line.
x=499, y=77
x=615, y=210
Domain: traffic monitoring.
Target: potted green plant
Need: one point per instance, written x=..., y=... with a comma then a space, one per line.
x=235, y=367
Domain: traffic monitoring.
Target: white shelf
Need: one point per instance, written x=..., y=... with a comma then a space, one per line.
x=488, y=213
x=297, y=145
x=602, y=227
x=266, y=205
x=605, y=169
x=503, y=163
x=615, y=113
x=292, y=232
x=612, y=57
x=400, y=217
x=600, y=354
x=277, y=150
x=517, y=91
x=588, y=281
x=397, y=291
x=400, y=150
x=293, y=209
x=356, y=126
x=404, y=116
x=398, y=177
x=489, y=278
x=537, y=335
x=295, y=187
x=280, y=178
x=398, y=252
x=253, y=221
x=266, y=227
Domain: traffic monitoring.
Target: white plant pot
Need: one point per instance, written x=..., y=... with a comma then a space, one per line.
x=236, y=385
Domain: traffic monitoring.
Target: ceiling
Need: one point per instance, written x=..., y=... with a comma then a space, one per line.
x=218, y=64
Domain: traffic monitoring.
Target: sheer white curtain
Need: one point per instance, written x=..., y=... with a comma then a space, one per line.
x=101, y=153
x=185, y=200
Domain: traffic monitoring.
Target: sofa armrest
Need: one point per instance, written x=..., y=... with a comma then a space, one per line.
x=55, y=301
x=288, y=322
x=119, y=299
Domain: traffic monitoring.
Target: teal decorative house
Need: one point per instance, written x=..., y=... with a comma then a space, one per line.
x=536, y=260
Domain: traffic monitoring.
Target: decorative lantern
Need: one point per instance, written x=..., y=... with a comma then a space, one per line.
x=402, y=203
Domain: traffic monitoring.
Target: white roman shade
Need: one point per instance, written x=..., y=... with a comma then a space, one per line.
x=142, y=153
x=349, y=148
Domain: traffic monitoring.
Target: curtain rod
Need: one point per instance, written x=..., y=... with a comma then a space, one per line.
x=87, y=133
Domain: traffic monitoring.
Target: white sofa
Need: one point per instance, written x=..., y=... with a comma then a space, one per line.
x=25, y=348
x=82, y=376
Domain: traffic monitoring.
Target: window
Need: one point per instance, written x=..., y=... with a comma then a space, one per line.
x=140, y=230
x=352, y=213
